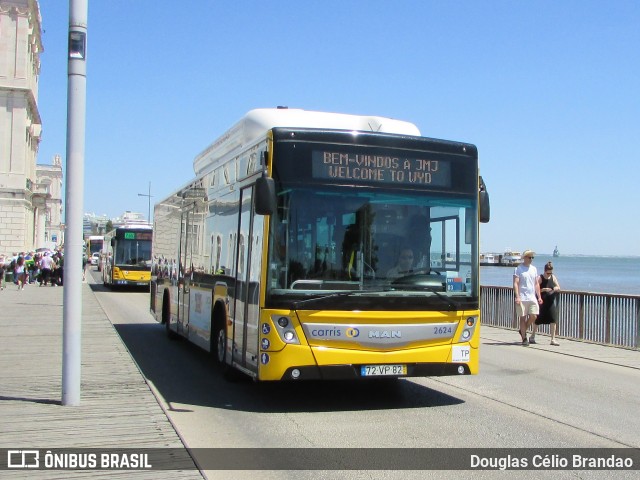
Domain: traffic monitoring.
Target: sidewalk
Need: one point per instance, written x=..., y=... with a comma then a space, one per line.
x=117, y=409
x=574, y=348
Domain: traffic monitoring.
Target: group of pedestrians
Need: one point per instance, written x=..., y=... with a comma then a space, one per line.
x=44, y=268
x=535, y=297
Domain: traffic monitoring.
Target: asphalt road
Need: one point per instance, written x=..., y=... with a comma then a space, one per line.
x=522, y=398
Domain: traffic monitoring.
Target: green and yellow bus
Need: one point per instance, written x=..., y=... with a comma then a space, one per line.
x=314, y=245
x=126, y=256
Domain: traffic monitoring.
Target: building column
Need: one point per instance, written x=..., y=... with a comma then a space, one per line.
x=41, y=228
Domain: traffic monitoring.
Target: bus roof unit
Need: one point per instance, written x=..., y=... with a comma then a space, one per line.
x=254, y=125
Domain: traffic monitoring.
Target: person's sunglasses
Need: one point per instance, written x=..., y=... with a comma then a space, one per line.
x=530, y=257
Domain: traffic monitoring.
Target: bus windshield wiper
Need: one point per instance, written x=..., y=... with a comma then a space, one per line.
x=324, y=297
x=445, y=298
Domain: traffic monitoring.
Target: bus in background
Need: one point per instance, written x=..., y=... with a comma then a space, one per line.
x=314, y=245
x=126, y=256
x=94, y=244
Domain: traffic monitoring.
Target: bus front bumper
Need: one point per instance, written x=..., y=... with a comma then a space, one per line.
x=300, y=362
x=353, y=372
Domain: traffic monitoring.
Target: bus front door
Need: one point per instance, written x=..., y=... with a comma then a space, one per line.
x=246, y=311
x=184, y=273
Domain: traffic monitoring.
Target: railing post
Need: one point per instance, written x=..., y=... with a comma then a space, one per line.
x=515, y=320
x=559, y=309
x=607, y=320
x=581, y=317
x=637, y=345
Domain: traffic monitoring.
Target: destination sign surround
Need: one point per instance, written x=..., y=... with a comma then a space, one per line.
x=363, y=168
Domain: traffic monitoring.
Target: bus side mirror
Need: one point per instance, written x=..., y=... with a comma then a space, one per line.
x=113, y=241
x=485, y=207
x=265, y=194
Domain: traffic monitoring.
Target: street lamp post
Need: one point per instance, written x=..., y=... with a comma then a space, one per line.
x=76, y=123
x=148, y=195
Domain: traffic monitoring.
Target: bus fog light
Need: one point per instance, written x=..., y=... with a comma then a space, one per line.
x=460, y=369
x=295, y=373
x=466, y=334
x=289, y=335
x=283, y=321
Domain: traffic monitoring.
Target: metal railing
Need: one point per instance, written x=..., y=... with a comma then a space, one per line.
x=601, y=318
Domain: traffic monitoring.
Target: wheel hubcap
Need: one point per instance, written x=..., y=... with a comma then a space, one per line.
x=221, y=345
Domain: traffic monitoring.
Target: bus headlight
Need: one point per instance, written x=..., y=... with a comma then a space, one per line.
x=283, y=322
x=469, y=329
x=286, y=330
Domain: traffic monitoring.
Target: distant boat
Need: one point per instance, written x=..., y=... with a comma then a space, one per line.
x=489, y=259
x=511, y=257
x=556, y=252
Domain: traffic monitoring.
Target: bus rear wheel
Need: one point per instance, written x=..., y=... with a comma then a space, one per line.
x=166, y=318
x=220, y=343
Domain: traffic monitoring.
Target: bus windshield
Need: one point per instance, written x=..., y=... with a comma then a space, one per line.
x=360, y=247
x=133, y=253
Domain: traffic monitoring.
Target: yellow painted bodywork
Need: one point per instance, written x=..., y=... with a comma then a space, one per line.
x=282, y=356
x=131, y=275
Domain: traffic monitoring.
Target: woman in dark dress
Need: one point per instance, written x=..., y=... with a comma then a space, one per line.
x=549, y=288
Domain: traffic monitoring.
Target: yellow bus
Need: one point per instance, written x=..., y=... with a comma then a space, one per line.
x=314, y=245
x=94, y=244
x=126, y=256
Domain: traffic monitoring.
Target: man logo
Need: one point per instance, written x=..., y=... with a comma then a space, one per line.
x=385, y=334
x=352, y=332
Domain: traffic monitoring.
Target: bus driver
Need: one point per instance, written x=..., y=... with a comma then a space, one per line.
x=404, y=266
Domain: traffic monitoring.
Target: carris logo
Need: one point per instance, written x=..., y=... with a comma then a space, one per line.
x=385, y=334
x=352, y=332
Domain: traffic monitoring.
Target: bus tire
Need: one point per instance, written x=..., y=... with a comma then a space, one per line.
x=166, y=317
x=219, y=338
x=219, y=345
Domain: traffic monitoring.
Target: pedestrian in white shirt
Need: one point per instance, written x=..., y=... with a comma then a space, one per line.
x=47, y=264
x=527, y=293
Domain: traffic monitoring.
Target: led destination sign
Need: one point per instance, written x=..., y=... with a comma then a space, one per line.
x=138, y=236
x=362, y=168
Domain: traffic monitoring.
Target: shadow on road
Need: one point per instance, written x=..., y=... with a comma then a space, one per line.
x=184, y=374
x=99, y=287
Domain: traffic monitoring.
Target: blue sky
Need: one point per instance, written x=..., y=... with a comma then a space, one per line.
x=547, y=90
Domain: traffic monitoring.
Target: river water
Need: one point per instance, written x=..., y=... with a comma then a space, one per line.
x=618, y=275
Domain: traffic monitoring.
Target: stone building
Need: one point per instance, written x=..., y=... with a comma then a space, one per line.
x=47, y=199
x=21, y=202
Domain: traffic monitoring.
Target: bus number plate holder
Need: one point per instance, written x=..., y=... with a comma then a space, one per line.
x=382, y=370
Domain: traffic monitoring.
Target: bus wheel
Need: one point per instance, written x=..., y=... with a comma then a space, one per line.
x=220, y=345
x=166, y=318
x=219, y=354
